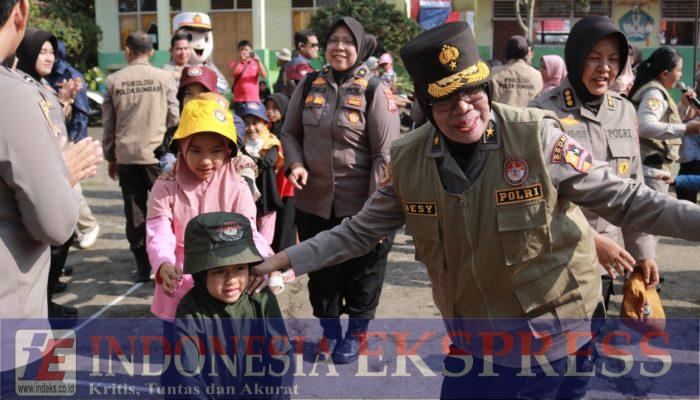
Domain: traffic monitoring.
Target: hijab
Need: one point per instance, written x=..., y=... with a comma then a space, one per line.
x=282, y=102
x=584, y=35
x=365, y=44
x=556, y=71
x=29, y=49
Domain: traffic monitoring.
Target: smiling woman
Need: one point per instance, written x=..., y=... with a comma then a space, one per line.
x=604, y=123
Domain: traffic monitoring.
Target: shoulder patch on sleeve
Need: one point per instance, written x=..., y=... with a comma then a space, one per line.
x=653, y=103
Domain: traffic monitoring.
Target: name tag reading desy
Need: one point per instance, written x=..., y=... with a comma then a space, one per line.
x=517, y=195
x=417, y=208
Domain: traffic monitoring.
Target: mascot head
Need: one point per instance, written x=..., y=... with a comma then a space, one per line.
x=198, y=25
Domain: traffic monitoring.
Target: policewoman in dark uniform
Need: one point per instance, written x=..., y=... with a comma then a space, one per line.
x=489, y=193
x=336, y=138
x=604, y=124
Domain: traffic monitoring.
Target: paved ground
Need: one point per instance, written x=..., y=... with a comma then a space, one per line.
x=104, y=273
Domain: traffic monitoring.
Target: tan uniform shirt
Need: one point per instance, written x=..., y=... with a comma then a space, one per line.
x=342, y=143
x=515, y=83
x=176, y=71
x=140, y=103
x=621, y=201
x=38, y=206
x=610, y=135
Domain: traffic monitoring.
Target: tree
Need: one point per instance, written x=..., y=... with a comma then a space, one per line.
x=528, y=24
x=73, y=22
x=391, y=27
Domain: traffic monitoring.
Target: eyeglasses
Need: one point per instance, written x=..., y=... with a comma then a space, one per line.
x=449, y=104
x=335, y=42
x=313, y=45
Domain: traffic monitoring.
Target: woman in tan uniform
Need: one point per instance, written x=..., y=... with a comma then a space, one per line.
x=604, y=123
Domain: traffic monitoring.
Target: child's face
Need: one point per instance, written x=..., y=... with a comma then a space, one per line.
x=206, y=153
x=191, y=91
x=273, y=112
x=254, y=127
x=227, y=283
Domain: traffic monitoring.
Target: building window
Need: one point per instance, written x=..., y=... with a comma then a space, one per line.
x=303, y=10
x=677, y=20
x=175, y=5
x=231, y=5
x=553, y=18
x=136, y=15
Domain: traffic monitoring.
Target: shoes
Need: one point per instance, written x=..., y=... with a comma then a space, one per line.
x=89, y=238
x=59, y=287
x=332, y=334
x=59, y=311
x=68, y=270
x=349, y=349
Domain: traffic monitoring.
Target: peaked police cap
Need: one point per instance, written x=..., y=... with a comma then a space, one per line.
x=444, y=61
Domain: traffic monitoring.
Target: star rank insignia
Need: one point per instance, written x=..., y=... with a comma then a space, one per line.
x=489, y=136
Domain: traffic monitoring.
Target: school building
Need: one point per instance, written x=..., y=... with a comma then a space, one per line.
x=270, y=24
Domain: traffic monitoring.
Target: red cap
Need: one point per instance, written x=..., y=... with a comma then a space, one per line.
x=198, y=74
x=298, y=71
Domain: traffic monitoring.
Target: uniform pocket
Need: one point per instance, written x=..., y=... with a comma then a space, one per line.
x=352, y=112
x=553, y=302
x=312, y=114
x=425, y=231
x=621, y=153
x=523, y=230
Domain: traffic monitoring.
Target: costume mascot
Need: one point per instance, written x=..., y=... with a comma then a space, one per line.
x=198, y=25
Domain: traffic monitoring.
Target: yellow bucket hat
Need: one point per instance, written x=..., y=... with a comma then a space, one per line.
x=206, y=115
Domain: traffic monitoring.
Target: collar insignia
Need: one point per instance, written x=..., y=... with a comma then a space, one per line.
x=569, y=97
x=489, y=136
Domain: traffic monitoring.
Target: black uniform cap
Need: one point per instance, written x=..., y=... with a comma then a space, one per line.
x=444, y=61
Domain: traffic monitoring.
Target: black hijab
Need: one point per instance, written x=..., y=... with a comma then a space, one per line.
x=29, y=49
x=366, y=44
x=584, y=35
x=282, y=102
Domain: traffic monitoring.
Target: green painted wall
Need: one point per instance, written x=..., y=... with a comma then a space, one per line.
x=278, y=24
x=196, y=5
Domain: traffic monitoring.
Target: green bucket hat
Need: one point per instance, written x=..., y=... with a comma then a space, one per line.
x=217, y=239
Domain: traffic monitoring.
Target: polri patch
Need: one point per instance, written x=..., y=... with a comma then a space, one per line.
x=419, y=208
x=515, y=171
x=391, y=100
x=518, y=195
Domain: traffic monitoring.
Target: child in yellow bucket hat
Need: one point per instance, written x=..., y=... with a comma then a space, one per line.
x=205, y=180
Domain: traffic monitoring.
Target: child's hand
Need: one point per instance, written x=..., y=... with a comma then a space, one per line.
x=666, y=178
x=171, y=276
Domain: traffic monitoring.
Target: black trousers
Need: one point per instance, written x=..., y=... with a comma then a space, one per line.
x=136, y=182
x=285, y=227
x=59, y=254
x=689, y=168
x=352, y=287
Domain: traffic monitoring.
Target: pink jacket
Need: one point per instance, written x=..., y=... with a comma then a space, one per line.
x=172, y=203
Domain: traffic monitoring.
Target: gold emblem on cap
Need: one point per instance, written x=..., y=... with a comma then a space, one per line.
x=197, y=19
x=448, y=56
x=477, y=72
